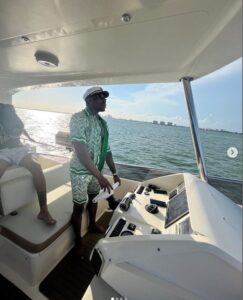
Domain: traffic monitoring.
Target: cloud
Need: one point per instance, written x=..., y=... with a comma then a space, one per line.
x=210, y=122
x=164, y=92
x=153, y=99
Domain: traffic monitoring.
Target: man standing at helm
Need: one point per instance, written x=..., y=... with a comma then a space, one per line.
x=89, y=136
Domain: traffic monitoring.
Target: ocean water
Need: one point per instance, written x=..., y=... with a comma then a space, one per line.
x=144, y=144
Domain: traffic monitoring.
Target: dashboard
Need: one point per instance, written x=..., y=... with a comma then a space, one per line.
x=151, y=210
x=163, y=231
x=177, y=207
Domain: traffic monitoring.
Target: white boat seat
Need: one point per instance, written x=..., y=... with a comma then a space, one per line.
x=32, y=234
x=17, y=190
x=18, y=193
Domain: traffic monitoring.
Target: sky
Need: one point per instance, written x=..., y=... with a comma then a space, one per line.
x=217, y=98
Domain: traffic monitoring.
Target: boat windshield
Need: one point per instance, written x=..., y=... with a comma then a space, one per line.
x=218, y=102
x=149, y=123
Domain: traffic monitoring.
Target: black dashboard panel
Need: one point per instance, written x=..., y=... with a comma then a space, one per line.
x=177, y=207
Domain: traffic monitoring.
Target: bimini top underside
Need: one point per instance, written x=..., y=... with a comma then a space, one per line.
x=93, y=42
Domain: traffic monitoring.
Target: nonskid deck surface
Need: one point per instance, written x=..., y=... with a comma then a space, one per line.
x=70, y=278
x=10, y=291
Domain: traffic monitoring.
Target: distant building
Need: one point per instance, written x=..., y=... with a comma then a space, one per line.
x=169, y=124
x=155, y=122
x=162, y=123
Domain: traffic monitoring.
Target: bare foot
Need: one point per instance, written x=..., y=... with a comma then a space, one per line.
x=47, y=218
x=96, y=228
x=81, y=253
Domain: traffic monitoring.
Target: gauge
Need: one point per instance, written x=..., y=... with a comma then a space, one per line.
x=126, y=232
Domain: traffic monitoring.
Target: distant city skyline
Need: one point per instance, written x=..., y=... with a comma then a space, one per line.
x=156, y=122
x=217, y=97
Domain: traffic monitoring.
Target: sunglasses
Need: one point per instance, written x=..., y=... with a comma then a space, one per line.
x=98, y=96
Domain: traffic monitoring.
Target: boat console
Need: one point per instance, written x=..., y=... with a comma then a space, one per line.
x=182, y=240
x=150, y=210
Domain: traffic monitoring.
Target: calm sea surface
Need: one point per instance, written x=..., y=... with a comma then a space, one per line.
x=145, y=144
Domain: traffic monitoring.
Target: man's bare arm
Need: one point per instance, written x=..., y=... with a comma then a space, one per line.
x=24, y=132
x=112, y=167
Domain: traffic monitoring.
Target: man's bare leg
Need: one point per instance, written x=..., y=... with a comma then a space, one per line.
x=92, y=209
x=76, y=221
x=40, y=185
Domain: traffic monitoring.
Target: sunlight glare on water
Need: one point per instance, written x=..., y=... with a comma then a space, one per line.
x=145, y=144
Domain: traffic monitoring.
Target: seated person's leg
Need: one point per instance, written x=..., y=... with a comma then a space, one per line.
x=34, y=168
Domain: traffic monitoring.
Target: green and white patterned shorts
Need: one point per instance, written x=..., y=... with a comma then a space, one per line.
x=82, y=185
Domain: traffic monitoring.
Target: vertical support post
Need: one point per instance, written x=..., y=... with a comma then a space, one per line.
x=194, y=128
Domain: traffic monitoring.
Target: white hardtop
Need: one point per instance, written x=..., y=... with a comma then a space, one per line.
x=163, y=42
x=215, y=216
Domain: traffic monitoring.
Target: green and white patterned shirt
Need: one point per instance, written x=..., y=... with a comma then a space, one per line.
x=86, y=128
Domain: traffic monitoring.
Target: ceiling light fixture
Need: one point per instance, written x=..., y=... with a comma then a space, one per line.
x=126, y=18
x=46, y=59
x=25, y=38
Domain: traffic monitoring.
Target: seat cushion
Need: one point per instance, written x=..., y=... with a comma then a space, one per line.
x=32, y=234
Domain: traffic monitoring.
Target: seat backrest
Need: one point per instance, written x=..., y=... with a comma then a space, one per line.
x=17, y=189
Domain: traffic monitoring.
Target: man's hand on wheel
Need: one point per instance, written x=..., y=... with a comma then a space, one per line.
x=104, y=184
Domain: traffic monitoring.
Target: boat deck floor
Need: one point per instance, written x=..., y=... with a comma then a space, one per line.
x=69, y=279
